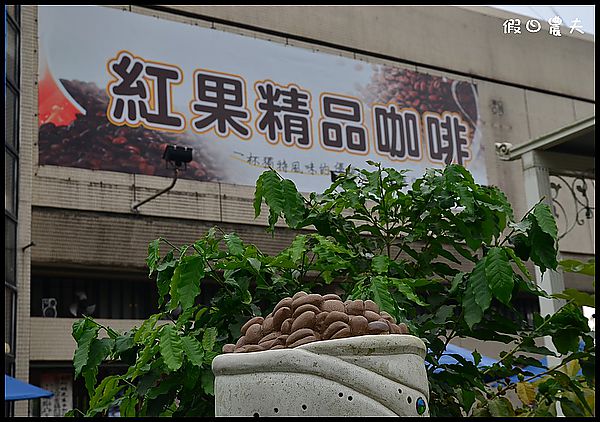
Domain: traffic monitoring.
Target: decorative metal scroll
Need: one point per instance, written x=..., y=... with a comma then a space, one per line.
x=578, y=188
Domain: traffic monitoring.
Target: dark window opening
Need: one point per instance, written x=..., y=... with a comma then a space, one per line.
x=112, y=296
x=105, y=298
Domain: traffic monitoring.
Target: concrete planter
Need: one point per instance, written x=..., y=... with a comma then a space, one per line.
x=371, y=375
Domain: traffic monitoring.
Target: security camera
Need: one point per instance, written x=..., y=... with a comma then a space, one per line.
x=177, y=156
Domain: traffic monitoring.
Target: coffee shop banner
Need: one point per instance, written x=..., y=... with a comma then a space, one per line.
x=115, y=88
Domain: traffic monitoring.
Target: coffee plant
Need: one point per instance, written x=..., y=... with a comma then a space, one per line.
x=446, y=256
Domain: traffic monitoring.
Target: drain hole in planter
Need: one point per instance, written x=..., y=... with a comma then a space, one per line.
x=400, y=390
x=303, y=407
x=255, y=415
x=409, y=399
x=276, y=410
x=341, y=394
x=349, y=398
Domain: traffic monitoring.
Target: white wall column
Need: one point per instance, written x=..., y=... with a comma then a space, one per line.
x=537, y=185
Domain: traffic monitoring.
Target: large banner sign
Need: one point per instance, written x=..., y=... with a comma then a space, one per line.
x=116, y=88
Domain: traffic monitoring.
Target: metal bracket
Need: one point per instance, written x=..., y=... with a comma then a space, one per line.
x=134, y=207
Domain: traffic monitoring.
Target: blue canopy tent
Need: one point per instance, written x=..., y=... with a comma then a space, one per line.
x=465, y=353
x=451, y=349
x=19, y=390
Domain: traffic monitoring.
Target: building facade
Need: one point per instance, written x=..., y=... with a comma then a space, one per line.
x=74, y=244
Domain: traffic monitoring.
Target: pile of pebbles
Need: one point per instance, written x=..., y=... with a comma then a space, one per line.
x=305, y=318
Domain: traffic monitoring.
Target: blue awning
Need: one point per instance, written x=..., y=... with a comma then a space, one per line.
x=467, y=354
x=19, y=390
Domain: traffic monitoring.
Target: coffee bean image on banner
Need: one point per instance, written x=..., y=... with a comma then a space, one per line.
x=90, y=141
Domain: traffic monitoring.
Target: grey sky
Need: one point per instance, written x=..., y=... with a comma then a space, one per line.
x=585, y=13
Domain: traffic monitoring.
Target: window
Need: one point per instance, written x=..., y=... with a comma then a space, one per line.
x=112, y=296
x=10, y=117
x=10, y=241
x=13, y=12
x=10, y=177
x=11, y=51
x=9, y=308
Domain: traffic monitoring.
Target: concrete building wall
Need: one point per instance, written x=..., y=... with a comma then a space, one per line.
x=460, y=39
x=27, y=152
x=56, y=332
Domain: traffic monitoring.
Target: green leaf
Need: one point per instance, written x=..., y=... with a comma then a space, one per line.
x=255, y=263
x=294, y=209
x=298, y=248
x=405, y=289
x=472, y=311
x=543, y=250
x=569, y=406
x=209, y=356
x=185, y=284
x=184, y=317
x=481, y=409
x=171, y=348
x=576, y=393
x=142, y=366
x=163, y=388
x=464, y=252
x=258, y=196
x=545, y=219
x=127, y=406
x=234, y=244
x=99, y=350
x=530, y=347
x=165, y=274
x=84, y=333
x=499, y=274
x=566, y=340
x=456, y=281
x=381, y=294
x=521, y=227
x=268, y=186
x=575, y=266
x=208, y=338
x=479, y=285
x=579, y=298
x=521, y=246
x=448, y=255
x=327, y=277
x=443, y=313
x=380, y=264
x=193, y=350
x=123, y=343
x=104, y=395
x=501, y=406
x=167, y=262
x=467, y=397
x=207, y=381
x=465, y=198
x=146, y=327
x=245, y=296
x=511, y=253
x=153, y=255
x=80, y=327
